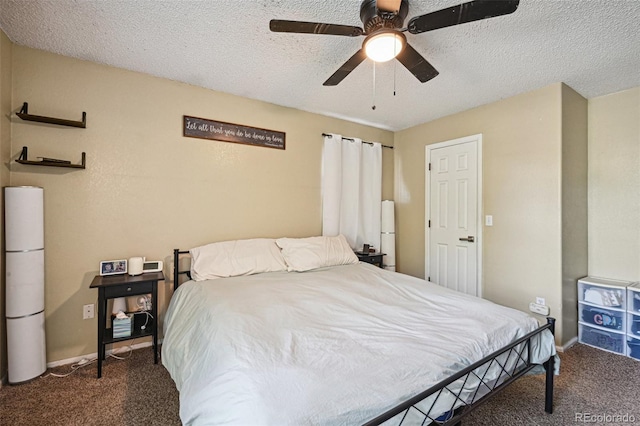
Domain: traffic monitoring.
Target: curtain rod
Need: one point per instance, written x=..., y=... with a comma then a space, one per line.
x=351, y=139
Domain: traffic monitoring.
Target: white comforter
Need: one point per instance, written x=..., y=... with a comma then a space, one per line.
x=339, y=345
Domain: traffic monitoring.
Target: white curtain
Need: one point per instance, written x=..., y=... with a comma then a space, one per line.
x=352, y=190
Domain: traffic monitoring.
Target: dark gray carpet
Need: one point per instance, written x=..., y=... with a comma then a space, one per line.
x=134, y=391
x=591, y=383
x=137, y=392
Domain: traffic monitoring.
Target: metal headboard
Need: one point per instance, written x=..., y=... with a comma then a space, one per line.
x=176, y=268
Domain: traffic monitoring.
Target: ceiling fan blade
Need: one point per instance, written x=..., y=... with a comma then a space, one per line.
x=280, y=26
x=388, y=5
x=346, y=68
x=462, y=13
x=416, y=64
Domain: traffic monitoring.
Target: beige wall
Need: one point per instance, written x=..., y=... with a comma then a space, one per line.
x=522, y=172
x=614, y=185
x=147, y=189
x=574, y=205
x=5, y=148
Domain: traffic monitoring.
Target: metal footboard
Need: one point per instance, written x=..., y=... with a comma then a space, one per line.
x=421, y=405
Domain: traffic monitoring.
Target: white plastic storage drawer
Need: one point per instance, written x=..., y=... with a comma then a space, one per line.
x=633, y=298
x=634, y=347
x=633, y=325
x=602, y=317
x=607, y=340
x=603, y=292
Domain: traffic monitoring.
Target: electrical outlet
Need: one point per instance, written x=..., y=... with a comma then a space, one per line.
x=488, y=220
x=540, y=301
x=87, y=311
x=539, y=309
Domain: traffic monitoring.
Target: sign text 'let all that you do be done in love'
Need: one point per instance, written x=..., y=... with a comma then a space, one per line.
x=202, y=128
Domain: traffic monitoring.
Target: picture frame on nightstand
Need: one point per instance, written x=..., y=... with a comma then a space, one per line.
x=113, y=267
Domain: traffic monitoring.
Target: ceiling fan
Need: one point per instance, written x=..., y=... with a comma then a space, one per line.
x=383, y=27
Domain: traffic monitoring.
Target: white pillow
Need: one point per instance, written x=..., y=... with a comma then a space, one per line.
x=304, y=254
x=233, y=258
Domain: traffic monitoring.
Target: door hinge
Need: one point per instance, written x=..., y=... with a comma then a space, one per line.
x=429, y=223
x=429, y=166
x=429, y=279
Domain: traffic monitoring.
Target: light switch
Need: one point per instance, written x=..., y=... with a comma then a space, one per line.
x=488, y=220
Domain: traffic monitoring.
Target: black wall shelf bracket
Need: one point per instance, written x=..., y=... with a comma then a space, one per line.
x=51, y=162
x=24, y=114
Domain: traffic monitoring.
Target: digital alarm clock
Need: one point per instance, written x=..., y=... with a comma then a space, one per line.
x=152, y=266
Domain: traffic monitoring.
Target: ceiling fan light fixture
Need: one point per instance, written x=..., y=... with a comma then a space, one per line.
x=384, y=45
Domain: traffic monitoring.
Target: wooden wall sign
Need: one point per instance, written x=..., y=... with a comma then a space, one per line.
x=202, y=128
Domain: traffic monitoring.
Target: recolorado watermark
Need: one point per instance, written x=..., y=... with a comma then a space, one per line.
x=603, y=418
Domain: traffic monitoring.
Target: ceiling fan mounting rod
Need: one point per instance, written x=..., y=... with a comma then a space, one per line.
x=374, y=18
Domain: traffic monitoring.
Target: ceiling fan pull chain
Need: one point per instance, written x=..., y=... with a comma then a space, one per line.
x=395, y=55
x=373, y=107
x=395, y=66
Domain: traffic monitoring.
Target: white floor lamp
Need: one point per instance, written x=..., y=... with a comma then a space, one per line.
x=388, y=235
x=24, y=242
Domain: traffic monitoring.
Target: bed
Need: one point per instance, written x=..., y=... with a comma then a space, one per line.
x=341, y=343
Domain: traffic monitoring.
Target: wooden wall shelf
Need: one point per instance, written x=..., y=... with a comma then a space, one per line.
x=24, y=114
x=50, y=162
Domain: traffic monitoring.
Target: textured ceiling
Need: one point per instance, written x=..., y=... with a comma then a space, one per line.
x=226, y=45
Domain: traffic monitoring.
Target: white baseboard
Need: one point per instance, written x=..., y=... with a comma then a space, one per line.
x=567, y=345
x=95, y=354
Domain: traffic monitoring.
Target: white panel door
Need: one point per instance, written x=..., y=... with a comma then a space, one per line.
x=452, y=216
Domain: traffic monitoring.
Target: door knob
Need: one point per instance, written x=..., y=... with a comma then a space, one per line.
x=470, y=239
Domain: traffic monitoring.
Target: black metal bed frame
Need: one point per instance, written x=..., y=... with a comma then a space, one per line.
x=176, y=268
x=518, y=352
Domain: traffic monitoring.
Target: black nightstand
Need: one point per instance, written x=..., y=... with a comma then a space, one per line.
x=114, y=286
x=373, y=258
